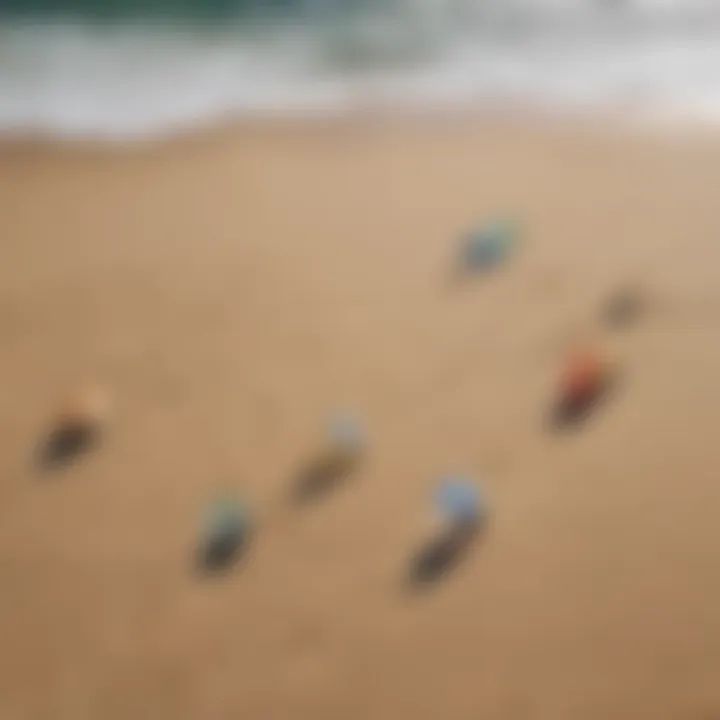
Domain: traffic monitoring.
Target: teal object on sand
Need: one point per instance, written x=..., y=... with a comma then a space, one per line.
x=225, y=530
x=488, y=246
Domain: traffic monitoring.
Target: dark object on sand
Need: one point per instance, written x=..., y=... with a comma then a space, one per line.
x=66, y=442
x=624, y=307
x=333, y=467
x=443, y=553
x=76, y=429
x=225, y=535
x=464, y=514
x=324, y=474
x=586, y=381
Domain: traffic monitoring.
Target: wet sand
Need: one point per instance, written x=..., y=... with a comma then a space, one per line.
x=232, y=291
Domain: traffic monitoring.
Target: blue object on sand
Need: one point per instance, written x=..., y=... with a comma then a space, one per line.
x=488, y=246
x=347, y=433
x=460, y=501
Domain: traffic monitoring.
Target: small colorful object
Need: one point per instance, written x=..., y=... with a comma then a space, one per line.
x=460, y=501
x=225, y=513
x=226, y=527
x=583, y=378
x=488, y=246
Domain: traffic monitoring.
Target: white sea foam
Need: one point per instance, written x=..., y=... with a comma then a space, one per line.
x=646, y=58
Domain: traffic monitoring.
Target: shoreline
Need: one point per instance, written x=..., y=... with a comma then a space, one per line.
x=373, y=117
x=608, y=125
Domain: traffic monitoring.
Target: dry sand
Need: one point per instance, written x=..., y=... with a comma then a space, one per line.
x=232, y=291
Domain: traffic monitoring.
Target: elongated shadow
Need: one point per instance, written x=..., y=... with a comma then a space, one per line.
x=567, y=414
x=322, y=476
x=442, y=554
x=220, y=554
x=65, y=444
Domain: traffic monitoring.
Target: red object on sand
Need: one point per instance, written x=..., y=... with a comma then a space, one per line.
x=584, y=378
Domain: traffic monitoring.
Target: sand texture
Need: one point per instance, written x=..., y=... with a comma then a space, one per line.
x=231, y=292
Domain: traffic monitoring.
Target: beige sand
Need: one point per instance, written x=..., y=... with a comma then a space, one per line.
x=234, y=290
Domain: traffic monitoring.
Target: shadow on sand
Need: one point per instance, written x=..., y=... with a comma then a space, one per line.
x=624, y=309
x=220, y=554
x=65, y=444
x=567, y=414
x=440, y=555
x=322, y=476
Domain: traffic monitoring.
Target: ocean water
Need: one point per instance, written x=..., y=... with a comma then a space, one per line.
x=121, y=69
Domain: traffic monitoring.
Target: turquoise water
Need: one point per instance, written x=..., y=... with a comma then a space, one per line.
x=122, y=69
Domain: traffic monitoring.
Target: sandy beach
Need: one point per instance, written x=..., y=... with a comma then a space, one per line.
x=231, y=291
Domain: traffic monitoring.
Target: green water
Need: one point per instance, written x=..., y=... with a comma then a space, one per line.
x=142, y=9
